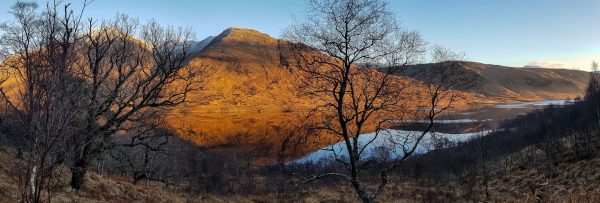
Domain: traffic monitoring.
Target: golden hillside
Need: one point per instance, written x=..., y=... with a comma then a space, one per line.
x=248, y=73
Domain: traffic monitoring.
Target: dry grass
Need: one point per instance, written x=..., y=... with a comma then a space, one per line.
x=570, y=182
x=98, y=188
x=576, y=181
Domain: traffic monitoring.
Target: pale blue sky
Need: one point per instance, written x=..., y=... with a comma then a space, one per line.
x=561, y=33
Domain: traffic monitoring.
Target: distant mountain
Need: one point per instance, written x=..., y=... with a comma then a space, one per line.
x=507, y=84
x=197, y=47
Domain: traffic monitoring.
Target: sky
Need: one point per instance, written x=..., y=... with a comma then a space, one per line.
x=548, y=33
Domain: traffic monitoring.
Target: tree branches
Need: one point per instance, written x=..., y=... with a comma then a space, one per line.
x=355, y=49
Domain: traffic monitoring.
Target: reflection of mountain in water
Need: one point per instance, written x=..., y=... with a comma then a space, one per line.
x=270, y=133
x=275, y=135
x=270, y=136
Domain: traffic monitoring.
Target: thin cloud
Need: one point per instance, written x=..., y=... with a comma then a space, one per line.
x=546, y=64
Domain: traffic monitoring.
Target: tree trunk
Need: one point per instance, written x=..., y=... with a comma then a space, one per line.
x=366, y=199
x=79, y=168
x=362, y=194
x=137, y=176
x=32, y=182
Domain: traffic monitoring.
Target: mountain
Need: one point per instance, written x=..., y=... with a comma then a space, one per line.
x=250, y=73
x=197, y=47
x=251, y=88
x=247, y=73
x=251, y=94
x=248, y=95
x=508, y=84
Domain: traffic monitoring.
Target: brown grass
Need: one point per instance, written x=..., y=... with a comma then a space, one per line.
x=575, y=181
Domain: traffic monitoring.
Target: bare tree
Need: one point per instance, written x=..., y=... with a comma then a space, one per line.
x=116, y=71
x=445, y=81
x=338, y=49
x=483, y=163
x=593, y=89
x=142, y=150
x=127, y=77
x=40, y=91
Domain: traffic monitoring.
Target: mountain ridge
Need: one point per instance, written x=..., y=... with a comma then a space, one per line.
x=250, y=73
x=505, y=83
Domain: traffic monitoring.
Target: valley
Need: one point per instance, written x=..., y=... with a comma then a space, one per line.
x=351, y=101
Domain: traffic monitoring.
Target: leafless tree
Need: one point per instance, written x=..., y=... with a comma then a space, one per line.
x=483, y=163
x=338, y=49
x=445, y=81
x=131, y=68
x=594, y=87
x=115, y=71
x=40, y=91
x=142, y=149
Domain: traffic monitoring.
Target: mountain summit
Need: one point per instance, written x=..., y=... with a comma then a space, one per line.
x=246, y=73
x=243, y=45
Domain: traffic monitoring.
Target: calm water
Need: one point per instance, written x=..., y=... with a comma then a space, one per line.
x=282, y=133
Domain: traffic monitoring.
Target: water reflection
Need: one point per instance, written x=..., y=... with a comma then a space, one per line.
x=268, y=137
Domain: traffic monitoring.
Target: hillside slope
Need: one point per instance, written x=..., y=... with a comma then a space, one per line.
x=99, y=188
x=250, y=72
x=247, y=73
x=505, y=84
